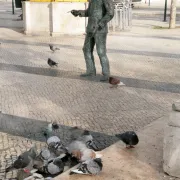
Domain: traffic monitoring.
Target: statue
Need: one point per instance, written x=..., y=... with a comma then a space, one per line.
x=99, y=13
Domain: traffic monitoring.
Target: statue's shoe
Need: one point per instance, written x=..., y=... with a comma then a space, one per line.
x=104, y=78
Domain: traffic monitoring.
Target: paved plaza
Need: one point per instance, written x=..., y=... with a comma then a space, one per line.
x=147, y=60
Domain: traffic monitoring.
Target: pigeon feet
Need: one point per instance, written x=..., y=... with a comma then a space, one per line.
x=129, y=147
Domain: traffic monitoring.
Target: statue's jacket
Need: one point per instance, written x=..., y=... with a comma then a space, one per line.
x=99, y=13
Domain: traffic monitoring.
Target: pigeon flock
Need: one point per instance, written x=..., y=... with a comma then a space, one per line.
x=55, y=157
x=50, y=62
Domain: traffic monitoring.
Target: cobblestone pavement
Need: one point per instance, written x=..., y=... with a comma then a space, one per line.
x=31, y=94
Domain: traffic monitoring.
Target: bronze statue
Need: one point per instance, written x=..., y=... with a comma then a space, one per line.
x=99, y=13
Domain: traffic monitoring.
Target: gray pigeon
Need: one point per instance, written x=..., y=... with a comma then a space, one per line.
x=46, y=154
x=54, y=167
x=43, y=158
x=51, y=62
x=53, y=139
x=130, y=138
x=83, y=135
x=53, y=48
x=47, y=131
x=93, y=167
x=56, y=146
x=86, y=137
x=24, y=160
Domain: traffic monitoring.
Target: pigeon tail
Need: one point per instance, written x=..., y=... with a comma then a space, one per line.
x=10, y=168
x=121, y=84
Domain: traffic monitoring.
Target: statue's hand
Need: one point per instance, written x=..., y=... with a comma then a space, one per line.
x=96, y=28
x=100, y=26
x=75, y=13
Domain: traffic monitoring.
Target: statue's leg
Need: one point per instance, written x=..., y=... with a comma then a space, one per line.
x=100, y=40
x=88, y=55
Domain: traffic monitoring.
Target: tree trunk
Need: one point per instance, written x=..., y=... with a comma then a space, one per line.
x=172, y=22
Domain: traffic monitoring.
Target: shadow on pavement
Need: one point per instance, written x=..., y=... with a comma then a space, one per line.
x=121, y=51
x=130, y=82
x=32, y=129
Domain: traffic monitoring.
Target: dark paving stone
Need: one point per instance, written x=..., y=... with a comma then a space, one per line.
x=32, y=129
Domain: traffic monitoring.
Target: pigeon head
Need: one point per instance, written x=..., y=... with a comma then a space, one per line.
x=55, y=125
x=110, y=79
x=21, y=162
x=86, y=132
x=99, y=162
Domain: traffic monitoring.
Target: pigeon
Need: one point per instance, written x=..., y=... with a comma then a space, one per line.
x=130, y=138
x=56, y=146
x=45, y=157
x=55, y=125
x=87, y=138
x=79, y=150
x=53, y=141
x=21, y=15
x=54, y=167
x=91, y=167
x=51, y=62
x=176, y=106
x=115, y=82
x=80, y=134
x=83, y=135
x=47, y=132
x=52, y=48
x=24, y=160
x=46, y=154
x=42, y=159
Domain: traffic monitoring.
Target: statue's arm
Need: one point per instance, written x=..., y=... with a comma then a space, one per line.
x=84, y=13
x=109, y=6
